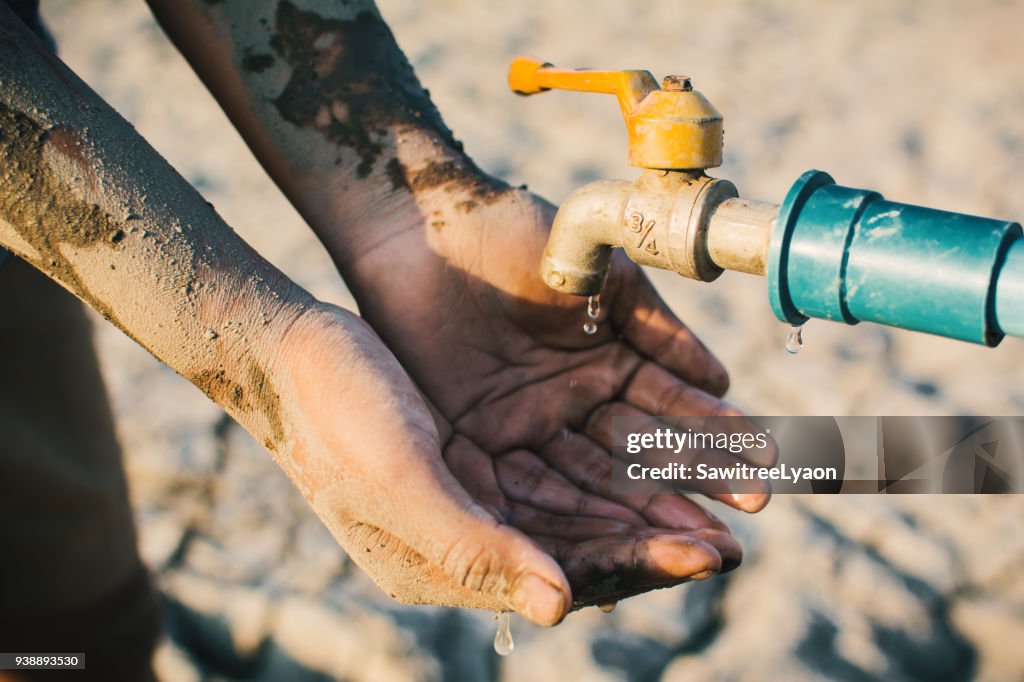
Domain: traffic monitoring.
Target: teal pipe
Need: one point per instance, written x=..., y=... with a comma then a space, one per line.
x=1010, y=291
x=849, y=255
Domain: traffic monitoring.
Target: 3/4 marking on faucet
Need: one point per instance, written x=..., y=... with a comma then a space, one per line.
x=639, y=225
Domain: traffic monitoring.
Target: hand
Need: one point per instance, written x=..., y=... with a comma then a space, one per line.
x=530, y=397
x=364, y=449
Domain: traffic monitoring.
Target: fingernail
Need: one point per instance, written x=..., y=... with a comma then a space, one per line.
x=750, y=502
x=539, y=600
x=704, y=575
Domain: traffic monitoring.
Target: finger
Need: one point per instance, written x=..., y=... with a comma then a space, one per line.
x=605, y=569
x=483, y=560
x=534, y=521
x=589, y=466
x=657, y=392
x=647, y=323
x=746, y=495
x=525, y=477
x=727, y=546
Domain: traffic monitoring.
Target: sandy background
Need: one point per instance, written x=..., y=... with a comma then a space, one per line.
x=923, y=101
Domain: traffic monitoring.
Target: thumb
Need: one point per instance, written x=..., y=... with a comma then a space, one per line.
x=478, y=553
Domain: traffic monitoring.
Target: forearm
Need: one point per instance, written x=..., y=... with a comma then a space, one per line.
x=332, y=109
x=84, y=199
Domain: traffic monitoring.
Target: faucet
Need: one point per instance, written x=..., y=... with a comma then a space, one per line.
x=827, y=251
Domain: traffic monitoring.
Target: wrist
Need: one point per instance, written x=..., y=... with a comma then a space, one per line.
x=333, y=110
x=407, y=192
x=340, y=390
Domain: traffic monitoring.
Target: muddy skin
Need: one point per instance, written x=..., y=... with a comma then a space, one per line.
x=258, y=394
x=350, y=83
x=56, y=194
x=267, y=401
x=42, y=210
x=47, y=214
x=221, y=390
x=397, y=175
x=469, y=178
x=593, y=586
x=347, y=84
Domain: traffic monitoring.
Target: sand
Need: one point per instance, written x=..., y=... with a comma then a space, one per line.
x=920, y=101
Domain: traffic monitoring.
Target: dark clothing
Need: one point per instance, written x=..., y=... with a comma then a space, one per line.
x=28, y=11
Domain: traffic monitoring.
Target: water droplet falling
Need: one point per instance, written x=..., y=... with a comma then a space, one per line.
x=608, y=607
x=593, y=311
x=795, y=340
x=503, y=644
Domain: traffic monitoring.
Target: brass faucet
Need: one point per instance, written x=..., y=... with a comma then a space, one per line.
x=829, y=251
x=674, y=216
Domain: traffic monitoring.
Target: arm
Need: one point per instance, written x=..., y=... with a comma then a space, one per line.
x=323, y=95
x=84, y=199
x=87, y=201
x=442, y=259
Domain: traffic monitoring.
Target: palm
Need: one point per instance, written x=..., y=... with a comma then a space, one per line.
x=530, y=397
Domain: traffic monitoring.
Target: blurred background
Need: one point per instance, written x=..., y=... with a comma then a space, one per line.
x=923, y=101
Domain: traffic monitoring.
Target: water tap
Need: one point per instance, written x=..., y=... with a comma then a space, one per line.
x=828, y=251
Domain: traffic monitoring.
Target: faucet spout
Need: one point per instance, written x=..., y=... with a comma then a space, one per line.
x=661, y=220
x=579, y=251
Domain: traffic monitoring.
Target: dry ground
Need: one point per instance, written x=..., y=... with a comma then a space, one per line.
x=921, y=100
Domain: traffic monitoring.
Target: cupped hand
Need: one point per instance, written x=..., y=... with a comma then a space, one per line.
x=364, y=449
x=530, y=397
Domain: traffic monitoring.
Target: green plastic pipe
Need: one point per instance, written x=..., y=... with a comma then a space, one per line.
x=849, y=255
x=1010, y=291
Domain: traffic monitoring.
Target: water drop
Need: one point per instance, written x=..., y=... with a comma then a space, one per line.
x=608, y=607
x=503, y=643
x=795, y=340
x=593, y=311
x=572, y=383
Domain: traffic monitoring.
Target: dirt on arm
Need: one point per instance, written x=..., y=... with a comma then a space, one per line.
x=331, y=107
x=87, y=201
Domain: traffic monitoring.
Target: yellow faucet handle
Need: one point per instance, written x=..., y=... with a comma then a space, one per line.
x=671, y=127
x=528, y=76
